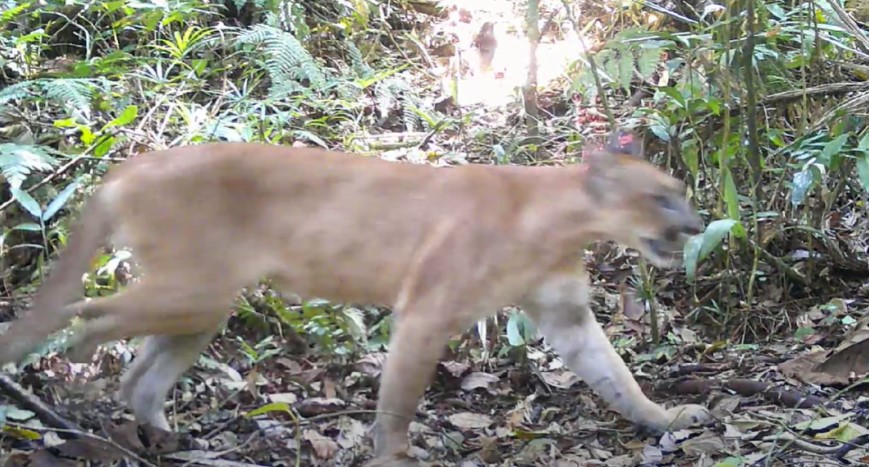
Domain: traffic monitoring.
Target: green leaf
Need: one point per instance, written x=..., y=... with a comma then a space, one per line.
x=271, y=407
x=104, y=146
x=731, y=197
x=674, y=94
x=698, y=247
x=514, y=336
x=714, y=234
x=802, y=333
x=13, y=12
x=691, y=255
x=864, y=142
x=690, y=155
x=28, y=227
x=87, y=136
x=127, y=116
x=802, y=182
x=731, y=462
x=27, y=202
x=660, y=131
x=65, y=123
x=832, y=148
x=714, y=106
x=59, y=201
x=863, y=169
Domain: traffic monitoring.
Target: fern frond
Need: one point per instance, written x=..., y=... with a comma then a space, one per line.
x=410, y=118
x=16, y=91
x=287, y=88
x=74, y=93
x=287, y=59
x=71, y=93
x=17, y=161
x=396, y=93
x=357, y=61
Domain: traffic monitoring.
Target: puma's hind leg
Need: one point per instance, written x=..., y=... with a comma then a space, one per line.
x=560, y=307
x=168, y=306
x=160, y=362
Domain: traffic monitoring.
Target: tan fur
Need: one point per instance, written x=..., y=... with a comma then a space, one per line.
x=443, y=247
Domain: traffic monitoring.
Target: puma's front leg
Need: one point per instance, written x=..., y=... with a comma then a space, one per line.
x=560, y=306
x=414, y=350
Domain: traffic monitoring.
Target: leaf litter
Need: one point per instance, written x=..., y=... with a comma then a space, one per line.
x=492, y=411
x=795, y=401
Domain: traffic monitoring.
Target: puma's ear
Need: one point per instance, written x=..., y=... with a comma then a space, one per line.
x=604, y=167
x=600, y=168
x=625, y=142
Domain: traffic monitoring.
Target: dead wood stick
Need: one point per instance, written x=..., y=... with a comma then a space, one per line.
x=801, y=444
x=42, y=410
x=743, y=387
x=823, y=90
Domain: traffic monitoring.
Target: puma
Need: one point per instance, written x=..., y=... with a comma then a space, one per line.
x=443, y=248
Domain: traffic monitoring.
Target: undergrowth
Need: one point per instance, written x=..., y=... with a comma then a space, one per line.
x=752, y=115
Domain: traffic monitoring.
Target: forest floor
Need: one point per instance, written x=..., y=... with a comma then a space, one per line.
x=486, y=406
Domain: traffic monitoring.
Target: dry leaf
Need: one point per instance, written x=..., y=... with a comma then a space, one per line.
x=324, y=447
x=470, y=421
x=455, y=368
x=352, y=432
x=371, y=364
x=478, y=379
x=707, y=443
x=319, y=406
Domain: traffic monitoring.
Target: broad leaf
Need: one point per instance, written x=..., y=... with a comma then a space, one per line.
x=863, y=170
x=714, y=234
x=691, y=255
x=27, y=202
x=514, y=336
x=731, y=197
x=802, y=182
x=127, y=116
x=832, y=148
x=59, y=201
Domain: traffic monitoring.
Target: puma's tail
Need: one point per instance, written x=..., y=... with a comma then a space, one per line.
x=48, y=313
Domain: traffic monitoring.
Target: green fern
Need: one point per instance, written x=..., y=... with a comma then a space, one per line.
x=76, y=93
x=357, y=61
x=396, y=93
x=14, y=12
x=624, y=57
x=71, y=93
x=17, y=161
x=287, y=61
x=16, y=91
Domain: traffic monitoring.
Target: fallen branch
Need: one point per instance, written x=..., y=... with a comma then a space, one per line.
x=33, y=404
x=855, y=443
x=823, y=90
x=801, y=444
x=744, y=387
x=779, y=264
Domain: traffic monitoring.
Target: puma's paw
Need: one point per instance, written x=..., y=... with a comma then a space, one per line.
x=686, y=416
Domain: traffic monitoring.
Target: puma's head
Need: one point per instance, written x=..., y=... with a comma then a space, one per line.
x=643, y=207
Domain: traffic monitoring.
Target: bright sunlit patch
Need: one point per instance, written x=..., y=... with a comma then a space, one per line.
x=502, y=83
